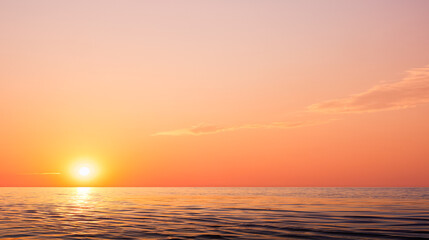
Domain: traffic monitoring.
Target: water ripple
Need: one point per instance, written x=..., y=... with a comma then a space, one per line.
x=214, y=213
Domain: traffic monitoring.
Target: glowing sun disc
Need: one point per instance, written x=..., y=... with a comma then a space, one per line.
x=84, y=171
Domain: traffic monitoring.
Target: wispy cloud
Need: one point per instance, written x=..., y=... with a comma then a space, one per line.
x=203, y=129
x=411, y=91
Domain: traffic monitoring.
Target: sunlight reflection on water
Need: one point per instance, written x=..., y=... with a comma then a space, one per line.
x=83, y=193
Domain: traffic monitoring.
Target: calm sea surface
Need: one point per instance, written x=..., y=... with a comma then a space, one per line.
x=214, y=213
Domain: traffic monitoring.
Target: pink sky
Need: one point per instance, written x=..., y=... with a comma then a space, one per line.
x=215, y=93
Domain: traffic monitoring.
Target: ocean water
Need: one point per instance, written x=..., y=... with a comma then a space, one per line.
x=214, y=213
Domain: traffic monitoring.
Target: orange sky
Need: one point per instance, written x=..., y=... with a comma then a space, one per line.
x=215, y=93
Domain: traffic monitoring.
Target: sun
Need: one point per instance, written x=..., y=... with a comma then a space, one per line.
x=84, y=171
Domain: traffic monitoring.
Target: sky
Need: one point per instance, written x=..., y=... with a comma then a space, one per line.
x=215, y=93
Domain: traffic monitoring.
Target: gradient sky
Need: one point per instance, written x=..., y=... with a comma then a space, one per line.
x=215, y=93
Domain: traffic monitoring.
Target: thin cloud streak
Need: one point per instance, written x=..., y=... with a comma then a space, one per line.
x=48, y=173
x=411, y=91
x=204, y=129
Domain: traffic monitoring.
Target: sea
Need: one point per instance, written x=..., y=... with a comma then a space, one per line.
x=214, y=213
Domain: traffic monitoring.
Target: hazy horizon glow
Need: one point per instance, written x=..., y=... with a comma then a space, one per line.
x=214, y=93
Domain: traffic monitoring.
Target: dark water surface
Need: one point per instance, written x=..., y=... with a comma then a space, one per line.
x=214, y=213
